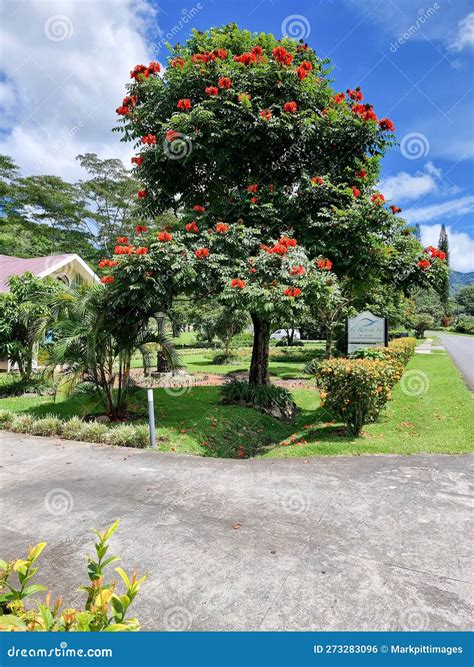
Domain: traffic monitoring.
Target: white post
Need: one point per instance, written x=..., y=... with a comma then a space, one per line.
x=151, y=418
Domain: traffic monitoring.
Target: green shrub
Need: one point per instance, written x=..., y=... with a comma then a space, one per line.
x=127, y=435
x=12, y=385
x=221, y=358
x=276, y=401
x=72, y=428
x=369, y=353
x=49, y=425
x=401, y=349
x=104, y=608
x=356, y=390
x=465, y=325
x=22, y=424
x=284, y=343
x=423, y=321
x=242, y=340
x=6, y=418
x=93, y=432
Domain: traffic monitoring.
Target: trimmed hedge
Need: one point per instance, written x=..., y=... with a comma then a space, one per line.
x=356, y=390
x=124, y=435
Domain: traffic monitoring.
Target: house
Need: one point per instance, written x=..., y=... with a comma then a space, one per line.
x=65, y=268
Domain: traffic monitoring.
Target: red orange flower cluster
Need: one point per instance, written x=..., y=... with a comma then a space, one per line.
x=304, y=69
x=386, y=125
x=395, y=209
x=298, y=270
x=142, y=71
x=141, y=229
x=141, y=194
x=171, y=135
x=324, y=264
x=202, y=253
x=436, y=253
x=424, y=264
x=237, y=282
x=124, y=250
x=184, y=104
x=191, y=227
x=212, y=91
x=355, y=94
x=137, y=160
x=164, y=236
x=266, y=114
x=177, y=62
x=142, y=251
x=317, y=180
x=364, y=111
x=290, y=107
x=355, y=191
x=292, y=292
x=222, y=228
x=224, y=82
x=339, y=97
x=282, y=56
x=107, y=279
x=199, y=209
x=128, y=102
x=281, y=246
x=149, y=139
x=107, y=263
x=377, y=198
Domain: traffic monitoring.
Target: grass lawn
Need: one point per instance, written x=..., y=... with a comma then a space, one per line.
x=437, y=420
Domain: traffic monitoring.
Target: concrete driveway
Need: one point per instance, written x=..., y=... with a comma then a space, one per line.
x=461, y=349
x=336, y=543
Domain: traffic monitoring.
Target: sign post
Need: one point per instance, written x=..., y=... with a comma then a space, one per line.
x=366, y=330
x=151, y=418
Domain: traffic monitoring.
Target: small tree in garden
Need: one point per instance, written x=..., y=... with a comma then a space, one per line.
x=94, y=343
x=270, y=172
x=23, y=316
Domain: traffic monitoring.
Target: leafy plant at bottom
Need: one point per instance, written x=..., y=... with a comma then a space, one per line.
x=104, y=609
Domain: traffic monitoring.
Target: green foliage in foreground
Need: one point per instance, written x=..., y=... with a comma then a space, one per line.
x=435, y=420
x=103, y=611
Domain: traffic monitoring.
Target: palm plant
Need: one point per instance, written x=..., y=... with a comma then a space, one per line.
x=94, y=346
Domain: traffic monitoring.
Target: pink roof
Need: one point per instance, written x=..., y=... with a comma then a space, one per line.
x=17, y=266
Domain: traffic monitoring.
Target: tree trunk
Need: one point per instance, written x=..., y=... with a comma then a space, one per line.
x=258, y=374
x=329, y=334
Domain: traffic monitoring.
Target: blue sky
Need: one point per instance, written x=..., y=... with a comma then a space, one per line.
x=64, y=74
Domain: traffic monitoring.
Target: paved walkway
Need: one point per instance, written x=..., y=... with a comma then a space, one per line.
x=331, y=543
x=461, y=349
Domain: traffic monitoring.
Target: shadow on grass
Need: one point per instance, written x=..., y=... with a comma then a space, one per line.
x=196, y=422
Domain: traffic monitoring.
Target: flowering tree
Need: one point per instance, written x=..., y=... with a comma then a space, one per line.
x=270, y=173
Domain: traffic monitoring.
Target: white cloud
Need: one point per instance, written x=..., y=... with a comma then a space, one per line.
x=64, y=67
x=461, y=246
x=406, y=187
x=448, y=209
x=465, y=34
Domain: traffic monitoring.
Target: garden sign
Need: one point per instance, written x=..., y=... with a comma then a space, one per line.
x=366, y=330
